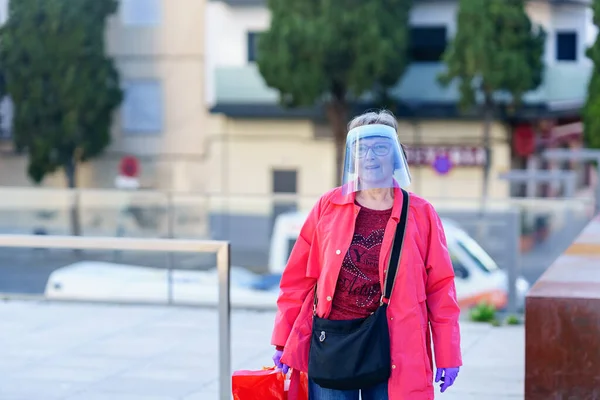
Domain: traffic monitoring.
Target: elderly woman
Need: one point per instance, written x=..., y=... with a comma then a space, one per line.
x=369, y=283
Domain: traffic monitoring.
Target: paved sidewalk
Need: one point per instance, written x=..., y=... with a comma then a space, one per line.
x=72, y=351
x=494, y=364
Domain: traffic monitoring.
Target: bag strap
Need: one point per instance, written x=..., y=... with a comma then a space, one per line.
x=394, y=257
x=390, y=276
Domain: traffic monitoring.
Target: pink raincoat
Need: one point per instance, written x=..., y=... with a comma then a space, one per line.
x=423, y=296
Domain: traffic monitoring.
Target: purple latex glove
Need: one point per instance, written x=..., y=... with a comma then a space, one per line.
x=447, y=376
x=277, y=361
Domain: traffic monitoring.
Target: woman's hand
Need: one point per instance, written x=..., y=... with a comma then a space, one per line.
x=447, y=376
x=277, y=361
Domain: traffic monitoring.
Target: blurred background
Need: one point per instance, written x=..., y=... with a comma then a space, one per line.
x=222, y=120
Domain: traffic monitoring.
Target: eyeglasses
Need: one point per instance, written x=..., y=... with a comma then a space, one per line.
x=379, y=149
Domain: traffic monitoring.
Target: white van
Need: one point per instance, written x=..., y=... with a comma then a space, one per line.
x=478, y=277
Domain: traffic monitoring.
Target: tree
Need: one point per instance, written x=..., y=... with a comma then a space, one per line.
x=63, y=86
x=322, y=52
x=591, y=109
x=496, y=57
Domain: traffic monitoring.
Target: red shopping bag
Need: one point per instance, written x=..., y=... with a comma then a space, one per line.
x=266, y=384
x=303, y=391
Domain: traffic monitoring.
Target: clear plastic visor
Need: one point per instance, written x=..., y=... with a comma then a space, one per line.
x=374, y=159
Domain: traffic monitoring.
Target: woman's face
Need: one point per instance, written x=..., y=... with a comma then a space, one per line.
x=375, y=160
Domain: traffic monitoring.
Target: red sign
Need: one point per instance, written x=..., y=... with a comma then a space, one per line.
x=129, y=167
x=524, y=140
x=459, y=156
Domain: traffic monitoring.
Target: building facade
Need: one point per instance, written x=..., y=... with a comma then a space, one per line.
x=200, y=118
x=292, y=151
x=158, y=47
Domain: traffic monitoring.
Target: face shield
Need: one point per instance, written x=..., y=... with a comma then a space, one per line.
x=374, y=159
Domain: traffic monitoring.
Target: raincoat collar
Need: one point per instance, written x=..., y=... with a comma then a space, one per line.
x=340, y=198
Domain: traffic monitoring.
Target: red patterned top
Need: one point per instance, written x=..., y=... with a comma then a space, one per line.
x=358, y=288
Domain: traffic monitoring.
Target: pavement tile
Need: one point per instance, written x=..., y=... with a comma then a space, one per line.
x=62, y=374
x=31, y=388
x=148, y=386
x=89, y=362
x=117, y=396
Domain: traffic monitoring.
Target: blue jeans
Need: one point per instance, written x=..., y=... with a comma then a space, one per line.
x=378, y=392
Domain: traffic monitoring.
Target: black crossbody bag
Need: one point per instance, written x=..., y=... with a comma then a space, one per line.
x=355, y=354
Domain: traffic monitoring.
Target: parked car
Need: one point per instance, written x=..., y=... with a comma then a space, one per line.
x=478, y=277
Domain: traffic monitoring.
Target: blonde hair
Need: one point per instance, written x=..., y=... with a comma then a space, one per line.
x=383, y=117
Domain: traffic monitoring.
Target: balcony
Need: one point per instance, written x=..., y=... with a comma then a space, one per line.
x=564, y=87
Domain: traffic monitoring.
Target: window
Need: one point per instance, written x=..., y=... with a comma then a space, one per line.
x=142, y=110
x=460, y=271
x=140, y=12
x=566, y=46
x=284, y=181
x=476, y=253
x=6, y=118
x=427, y=44
x=290, y=246
x=3, y=11
x=252, y=45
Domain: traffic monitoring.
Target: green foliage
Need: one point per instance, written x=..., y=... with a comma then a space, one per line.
x=327, y=52
x=319, y=49
x=63, y=86
x=495, y=52
x=591, y=110
x=513, y=320
x=483, y=312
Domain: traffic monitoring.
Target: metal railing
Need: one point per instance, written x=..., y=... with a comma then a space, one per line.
x=147, y=213
x=221, y=248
